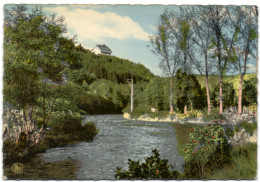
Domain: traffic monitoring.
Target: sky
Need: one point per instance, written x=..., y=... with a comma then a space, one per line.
x=125, y=29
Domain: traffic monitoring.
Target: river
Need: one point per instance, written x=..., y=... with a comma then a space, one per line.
x=117, y=141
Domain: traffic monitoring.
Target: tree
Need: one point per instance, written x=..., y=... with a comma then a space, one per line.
x=168, y=49
x=202, y=38
x=155, y=93
x=246, y=41
x=222, y=43
x=188, y=91
x=35, y=56
x=228, y=95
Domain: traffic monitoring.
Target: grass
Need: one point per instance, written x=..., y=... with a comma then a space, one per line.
x=182, y=132
x=244, y=165
x=36, y=169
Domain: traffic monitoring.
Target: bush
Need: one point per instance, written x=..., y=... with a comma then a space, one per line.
x=153, y=168
x=206, y=148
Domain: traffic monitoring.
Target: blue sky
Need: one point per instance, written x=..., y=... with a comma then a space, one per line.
x=123, y=28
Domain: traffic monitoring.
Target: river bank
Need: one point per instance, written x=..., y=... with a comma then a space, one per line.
x=243, y=127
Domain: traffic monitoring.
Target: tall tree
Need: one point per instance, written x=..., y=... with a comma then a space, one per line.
x=33, y=58
x=222, y=43
x=168, y=49
x=179, y=25
x=246, y=41
x=202, y=37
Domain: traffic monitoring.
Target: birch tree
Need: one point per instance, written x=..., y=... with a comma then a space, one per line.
x=222, y=43
x=179, y=25
x=247, y=42
x=168, y=50
x=202, y=38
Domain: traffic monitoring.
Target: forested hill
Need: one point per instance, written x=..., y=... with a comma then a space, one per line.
x=103, y=80
x=113, y=68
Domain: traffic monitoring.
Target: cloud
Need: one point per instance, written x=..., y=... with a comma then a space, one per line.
x=92, y=25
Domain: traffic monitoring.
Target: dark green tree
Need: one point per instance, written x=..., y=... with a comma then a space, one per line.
x=228, y=95
x=188, y=92
x=250, y=92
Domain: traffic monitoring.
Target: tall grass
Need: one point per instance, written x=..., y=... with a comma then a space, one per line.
x=244, y=164
x=182, y=132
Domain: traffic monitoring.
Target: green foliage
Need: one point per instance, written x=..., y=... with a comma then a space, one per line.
x=92, y=104
x=185, y=28
x=203, y=142
x=155, y=93
x=152, y=168
x=252, y=34
x=188, y=91
x=112, y=97
x=249, y=127
x=236, y=33
x=162, y=34
x=249, y=96
x=228, y=95
x=113, y=68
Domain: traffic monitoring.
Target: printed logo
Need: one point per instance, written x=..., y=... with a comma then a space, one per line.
x=17, y=168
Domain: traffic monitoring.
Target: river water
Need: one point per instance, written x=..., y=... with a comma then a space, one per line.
x=117, y=141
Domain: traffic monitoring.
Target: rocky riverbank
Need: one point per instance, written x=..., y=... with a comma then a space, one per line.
x=230, y=120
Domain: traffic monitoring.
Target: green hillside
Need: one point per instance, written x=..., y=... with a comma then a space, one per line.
x=103, y=79
x=113, y=68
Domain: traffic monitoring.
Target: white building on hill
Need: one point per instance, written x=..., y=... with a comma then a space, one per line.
x=102, y=49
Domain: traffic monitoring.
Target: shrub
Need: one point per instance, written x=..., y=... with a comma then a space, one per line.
x=153, y=168
x=201, y=150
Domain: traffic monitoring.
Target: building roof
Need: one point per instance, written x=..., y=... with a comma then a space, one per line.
x=104, y=49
